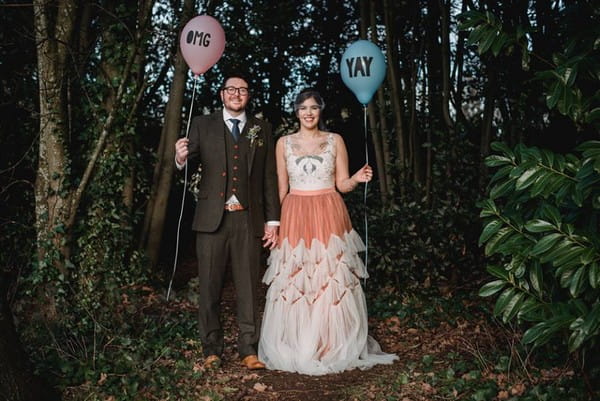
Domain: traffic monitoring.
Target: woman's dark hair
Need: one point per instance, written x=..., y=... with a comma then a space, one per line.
x=307, y=94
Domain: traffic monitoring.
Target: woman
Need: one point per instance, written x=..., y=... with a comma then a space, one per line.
x=315, y=319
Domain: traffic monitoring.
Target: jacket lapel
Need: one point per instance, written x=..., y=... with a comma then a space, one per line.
x=217, y=130
x=250, y=123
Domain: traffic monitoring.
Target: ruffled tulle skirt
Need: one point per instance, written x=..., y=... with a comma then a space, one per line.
x=315, y=319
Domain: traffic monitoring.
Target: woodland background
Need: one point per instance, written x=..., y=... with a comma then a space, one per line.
x=484, y=136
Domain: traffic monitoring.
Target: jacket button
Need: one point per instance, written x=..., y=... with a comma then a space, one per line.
x=221, y=194
x=233, y=190
x=223, y=174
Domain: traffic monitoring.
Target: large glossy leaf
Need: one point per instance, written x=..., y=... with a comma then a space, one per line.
x=594, y=275
x=578, y=281
x=561, y=248
x=551, y=213
x=491, y=288
x=503, y=300
x=546, y=243
x=501, y=147
x=584, y=328
x=539, y=226
x=527, y=178
x=496, y=160
x=488, y=208
x=534, y=333
x=501, y=173
x=477, y=33
x=513, y=306
x=496, y=240
x=487, y=39
x=501, y=40
x=540, y=185
x=571, y=255
x=536, y=278
x=490, y=229
x=502, y=189
x=531, y=310
x=499, y=272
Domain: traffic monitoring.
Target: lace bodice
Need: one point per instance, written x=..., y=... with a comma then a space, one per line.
x=313, y=168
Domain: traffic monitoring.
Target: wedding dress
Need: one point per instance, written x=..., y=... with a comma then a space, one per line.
x=315, y=319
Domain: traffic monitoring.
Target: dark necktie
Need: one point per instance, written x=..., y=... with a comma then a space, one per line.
x=235, y=129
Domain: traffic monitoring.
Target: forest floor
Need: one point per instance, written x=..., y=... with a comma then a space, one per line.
x=449, y=348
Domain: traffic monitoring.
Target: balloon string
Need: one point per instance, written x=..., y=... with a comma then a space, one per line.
x=365, y=196
x=187, y=132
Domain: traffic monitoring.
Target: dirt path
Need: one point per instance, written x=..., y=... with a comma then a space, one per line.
x=398, y=381
x=427, y=353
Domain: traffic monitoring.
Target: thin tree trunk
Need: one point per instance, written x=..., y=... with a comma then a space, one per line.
x=385, y=174
x=377, y=130
x=429, y=152
x=156, y=210
x=396, y=92
x=445, y=56
x=486, y=123
x=458, y=72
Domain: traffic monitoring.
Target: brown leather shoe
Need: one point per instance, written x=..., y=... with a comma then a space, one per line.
x=251, y=362
x=212, y=362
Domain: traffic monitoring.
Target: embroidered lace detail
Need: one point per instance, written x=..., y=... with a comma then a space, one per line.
x=313, y=168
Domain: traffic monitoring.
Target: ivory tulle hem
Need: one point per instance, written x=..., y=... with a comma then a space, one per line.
x=315, y=319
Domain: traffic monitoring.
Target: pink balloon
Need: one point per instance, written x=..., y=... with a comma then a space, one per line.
x=202, y=43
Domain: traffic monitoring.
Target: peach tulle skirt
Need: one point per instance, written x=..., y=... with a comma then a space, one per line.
x=315, y=319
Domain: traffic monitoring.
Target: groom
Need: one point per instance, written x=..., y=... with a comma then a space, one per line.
x=237, y=207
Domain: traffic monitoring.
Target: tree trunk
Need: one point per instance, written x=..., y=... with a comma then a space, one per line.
x=156, y=210
x=445, y=57
x=396, y=91
x=377, y=130
x=486, y=123
x=385, y=174
x=53, y=200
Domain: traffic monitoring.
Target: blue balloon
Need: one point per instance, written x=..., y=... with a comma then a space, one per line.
x=363, y=69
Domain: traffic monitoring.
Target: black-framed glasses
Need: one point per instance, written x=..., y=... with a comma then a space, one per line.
x=232, y=90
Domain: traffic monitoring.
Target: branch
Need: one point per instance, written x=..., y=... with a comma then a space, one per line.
x=106, y=129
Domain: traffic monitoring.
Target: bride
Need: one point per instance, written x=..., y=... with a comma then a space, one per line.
x=315, y=319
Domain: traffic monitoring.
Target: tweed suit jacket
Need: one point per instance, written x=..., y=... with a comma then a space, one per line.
x=207, y=147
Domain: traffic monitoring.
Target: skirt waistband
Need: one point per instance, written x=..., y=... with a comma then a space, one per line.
x=312, y=192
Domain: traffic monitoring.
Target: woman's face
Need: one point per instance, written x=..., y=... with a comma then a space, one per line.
x=308, y=113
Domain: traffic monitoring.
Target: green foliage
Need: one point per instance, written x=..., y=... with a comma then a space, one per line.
x=541, y=234
x=571, y=82
x=152, y=355
x=421, y=238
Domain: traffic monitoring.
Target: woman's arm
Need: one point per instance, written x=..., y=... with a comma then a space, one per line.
x=282, y=174
x=343, y=181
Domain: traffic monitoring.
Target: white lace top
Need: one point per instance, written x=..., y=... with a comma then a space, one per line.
x=310, y=169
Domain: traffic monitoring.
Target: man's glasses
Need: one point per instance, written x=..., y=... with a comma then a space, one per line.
x=232, y=90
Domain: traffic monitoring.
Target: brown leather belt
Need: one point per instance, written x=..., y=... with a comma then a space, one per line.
x=234, y=207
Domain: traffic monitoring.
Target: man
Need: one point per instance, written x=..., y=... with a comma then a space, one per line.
x=237, y=206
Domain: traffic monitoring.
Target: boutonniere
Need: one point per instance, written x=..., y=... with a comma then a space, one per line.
x=194, y=187
x=253, y=136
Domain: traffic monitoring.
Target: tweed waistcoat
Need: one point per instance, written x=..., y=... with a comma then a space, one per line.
x=237, y=167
